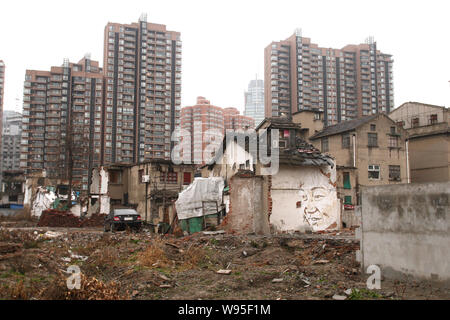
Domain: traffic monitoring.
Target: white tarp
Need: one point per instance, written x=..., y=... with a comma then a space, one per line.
x=43, y=201
x=200, y=198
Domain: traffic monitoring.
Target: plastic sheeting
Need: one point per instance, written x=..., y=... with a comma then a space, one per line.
x=203, y=197
x=43, y=201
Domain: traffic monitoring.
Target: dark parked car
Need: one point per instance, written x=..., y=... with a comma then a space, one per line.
x=121, y=218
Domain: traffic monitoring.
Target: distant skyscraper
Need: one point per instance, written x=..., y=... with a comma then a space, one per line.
x=2, y=86
x=345, y=83
x=142, y=67
x=254, y=101
x=62, y=113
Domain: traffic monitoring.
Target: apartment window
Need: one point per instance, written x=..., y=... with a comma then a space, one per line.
x=415, y=122
x=347, y=184
x=433, y=119
x=373, y=127
x=394, y=173
x=374, y=172
x=346, y=141
x=372, y=139
x=325, y=147
x=393, y=130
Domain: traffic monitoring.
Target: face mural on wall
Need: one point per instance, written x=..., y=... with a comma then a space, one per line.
x=318, y=200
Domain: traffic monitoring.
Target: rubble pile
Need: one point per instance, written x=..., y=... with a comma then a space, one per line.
x=96, y=220
x=65, y=219
x=55, y=218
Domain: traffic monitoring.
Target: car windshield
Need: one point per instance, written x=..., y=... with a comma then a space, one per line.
x=121, y=212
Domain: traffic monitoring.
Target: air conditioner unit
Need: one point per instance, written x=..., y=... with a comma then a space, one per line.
x=146, y=178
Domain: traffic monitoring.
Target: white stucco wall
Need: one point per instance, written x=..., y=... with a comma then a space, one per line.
x=304, y=198
x=405, y=230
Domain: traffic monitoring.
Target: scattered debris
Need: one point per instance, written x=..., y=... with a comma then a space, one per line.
x=321, y=261
x=212, y=233
x=277, y=280
x=338, y=297
x=348, y=292
x=52, y=234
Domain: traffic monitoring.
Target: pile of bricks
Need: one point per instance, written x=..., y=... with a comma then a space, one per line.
x=65, y=219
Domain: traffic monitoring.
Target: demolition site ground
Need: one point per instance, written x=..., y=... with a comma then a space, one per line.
x=128, y=265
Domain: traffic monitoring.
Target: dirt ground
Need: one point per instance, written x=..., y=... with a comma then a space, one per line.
x=129, y=265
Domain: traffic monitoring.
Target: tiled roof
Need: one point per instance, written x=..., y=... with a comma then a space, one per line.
x=343, y=127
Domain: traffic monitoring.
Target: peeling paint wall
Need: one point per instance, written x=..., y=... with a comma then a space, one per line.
x=406, y=230
x=304, y=199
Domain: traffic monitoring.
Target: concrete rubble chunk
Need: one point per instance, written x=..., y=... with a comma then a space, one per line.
x=223, y=271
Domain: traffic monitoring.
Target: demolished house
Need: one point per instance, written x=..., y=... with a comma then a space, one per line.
x=150, y=187
x=298, y=196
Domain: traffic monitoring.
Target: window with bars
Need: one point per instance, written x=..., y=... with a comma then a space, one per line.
x=393, y=142
x=372, y=139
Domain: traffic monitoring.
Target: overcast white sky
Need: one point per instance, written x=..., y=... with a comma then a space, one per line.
x=224, y=41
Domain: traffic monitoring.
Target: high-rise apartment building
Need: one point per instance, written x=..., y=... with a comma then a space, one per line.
x=209, y=120
x=345, y=83
x=235, y=121
x=10, y=146
x=62, y=121
x=205, y=122
x=142, y=68
x=2, y=86
x=254, y=101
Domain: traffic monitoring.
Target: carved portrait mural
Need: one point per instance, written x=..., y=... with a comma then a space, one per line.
x=305, y=199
